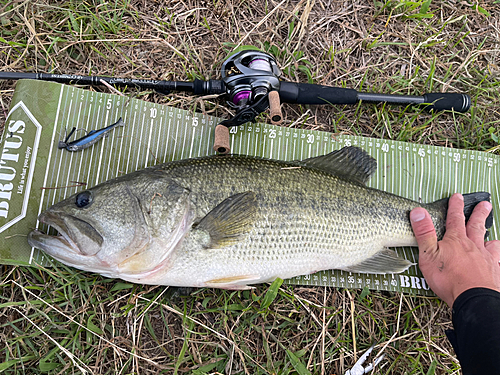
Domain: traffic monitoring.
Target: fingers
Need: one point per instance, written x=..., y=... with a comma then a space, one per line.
x=455, y=218
x=425, y=232
x=476, y=225
x=493, y=247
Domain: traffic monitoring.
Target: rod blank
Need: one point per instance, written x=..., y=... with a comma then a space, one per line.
x=197, y=86
x=289, y=92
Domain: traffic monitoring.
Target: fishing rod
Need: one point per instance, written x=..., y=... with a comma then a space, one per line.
x=250, y=81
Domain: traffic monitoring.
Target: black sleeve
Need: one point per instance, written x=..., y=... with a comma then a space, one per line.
x=476, y=337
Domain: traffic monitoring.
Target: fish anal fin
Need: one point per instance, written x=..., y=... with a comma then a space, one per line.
x=385, y=261
x=238, y=282
x=231, y=220
x=350, y=163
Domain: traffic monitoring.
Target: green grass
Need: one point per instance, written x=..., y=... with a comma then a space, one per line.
x=83, y=319
x=60, y=320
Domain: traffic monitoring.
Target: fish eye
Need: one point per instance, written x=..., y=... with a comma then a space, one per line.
x=84, y=199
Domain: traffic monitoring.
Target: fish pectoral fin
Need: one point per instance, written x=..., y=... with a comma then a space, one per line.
x=238, y=282
x=231, y=220
x=350, y=163
x=385, y=261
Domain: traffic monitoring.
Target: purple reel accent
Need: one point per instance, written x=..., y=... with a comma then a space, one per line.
x=241, y=96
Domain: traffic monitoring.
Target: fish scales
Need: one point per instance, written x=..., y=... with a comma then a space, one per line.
x=317, y=220
x=231, y=221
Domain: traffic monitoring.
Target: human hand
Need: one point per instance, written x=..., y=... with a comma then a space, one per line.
x=461, y=260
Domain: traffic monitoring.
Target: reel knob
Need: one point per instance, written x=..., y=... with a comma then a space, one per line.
x=275, y=108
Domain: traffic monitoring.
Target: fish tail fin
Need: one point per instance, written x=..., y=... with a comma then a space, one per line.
x=470, y=201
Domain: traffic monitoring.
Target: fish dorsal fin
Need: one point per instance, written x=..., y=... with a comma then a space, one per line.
x=350, y=163
x=230, y=220
x=385, y=261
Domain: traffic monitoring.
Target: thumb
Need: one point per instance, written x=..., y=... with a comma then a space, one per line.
x=425, y=232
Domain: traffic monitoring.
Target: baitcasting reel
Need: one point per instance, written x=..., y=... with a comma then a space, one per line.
x=251, y=78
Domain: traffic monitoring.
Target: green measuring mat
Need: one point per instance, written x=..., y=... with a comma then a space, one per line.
x=35, y=173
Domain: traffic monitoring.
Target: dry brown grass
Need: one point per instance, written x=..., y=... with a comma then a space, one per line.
x=370, y=46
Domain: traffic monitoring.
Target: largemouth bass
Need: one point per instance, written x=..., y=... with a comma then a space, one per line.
x=231, y=221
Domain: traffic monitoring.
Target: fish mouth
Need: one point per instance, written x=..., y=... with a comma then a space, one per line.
x=69, y=229
x=46, y=242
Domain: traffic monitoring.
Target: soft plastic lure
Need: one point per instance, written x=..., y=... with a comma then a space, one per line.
x=92, y=137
